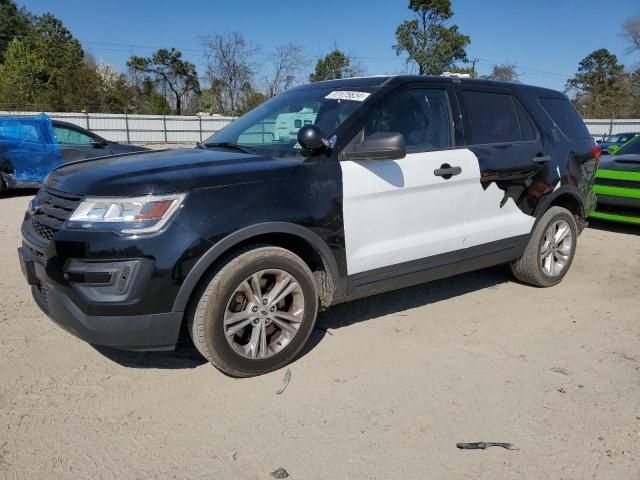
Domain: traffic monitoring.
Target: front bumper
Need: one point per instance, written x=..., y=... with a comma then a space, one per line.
x=158, y=331
x=12, y=182
x=618, y=194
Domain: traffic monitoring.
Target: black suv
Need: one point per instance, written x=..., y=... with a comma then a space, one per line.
x=326, y=193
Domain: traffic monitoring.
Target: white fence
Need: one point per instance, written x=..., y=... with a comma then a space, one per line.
x=599, y=128
x=192, y=129
x=143, y=128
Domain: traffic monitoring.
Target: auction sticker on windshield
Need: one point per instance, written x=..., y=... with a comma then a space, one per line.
x=348, y=95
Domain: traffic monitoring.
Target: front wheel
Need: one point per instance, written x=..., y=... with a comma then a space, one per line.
x=550, y=250
x=256, y=313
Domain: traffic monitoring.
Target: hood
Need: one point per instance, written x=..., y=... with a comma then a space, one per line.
x=163, y=171
x=627, y=163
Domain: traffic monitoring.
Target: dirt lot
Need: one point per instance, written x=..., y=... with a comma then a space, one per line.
x=385, y=390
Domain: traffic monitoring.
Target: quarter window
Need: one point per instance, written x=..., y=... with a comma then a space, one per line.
x=492, y=118
x=565, y=116
x=423, y=116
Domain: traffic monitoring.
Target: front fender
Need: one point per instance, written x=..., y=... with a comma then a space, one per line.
x=239, y=236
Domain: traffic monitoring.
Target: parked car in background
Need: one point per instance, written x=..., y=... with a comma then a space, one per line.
x=611, y=143
x=32, y=146
x=617, y=185
x=379, y=183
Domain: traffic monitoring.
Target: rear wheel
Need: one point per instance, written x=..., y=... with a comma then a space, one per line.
x=550, y=250
x=256, y=313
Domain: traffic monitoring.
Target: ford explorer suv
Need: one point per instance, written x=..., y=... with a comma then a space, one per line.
x=386, y=182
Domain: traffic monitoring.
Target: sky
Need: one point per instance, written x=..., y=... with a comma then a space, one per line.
x=546, y=39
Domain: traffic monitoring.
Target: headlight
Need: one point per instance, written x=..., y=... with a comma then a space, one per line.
x=131, y=216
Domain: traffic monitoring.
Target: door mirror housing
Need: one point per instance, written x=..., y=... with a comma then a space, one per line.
x=379, y=146
x=311, y=138
x=98, y=143
x=613, y=149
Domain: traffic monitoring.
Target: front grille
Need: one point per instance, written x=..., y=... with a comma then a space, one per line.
x=52, y=210
x=612, y=182
x=44, y=231
x=618, y=210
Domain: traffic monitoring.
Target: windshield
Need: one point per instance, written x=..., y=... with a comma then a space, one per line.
x=611, y=138
x=272, y=128
x=633, y=148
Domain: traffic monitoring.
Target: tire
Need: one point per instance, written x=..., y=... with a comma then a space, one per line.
x=535, y=270
x=229, y=293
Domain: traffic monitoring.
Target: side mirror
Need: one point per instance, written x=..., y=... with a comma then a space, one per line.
x=312, y=138
x=613, y=149
x=98, y=143
x=379, y=146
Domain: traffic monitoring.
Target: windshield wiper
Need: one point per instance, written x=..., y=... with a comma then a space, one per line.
x=234, y=146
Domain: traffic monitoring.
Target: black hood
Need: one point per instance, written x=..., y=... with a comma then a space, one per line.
x=627, y=163
x=162, y=171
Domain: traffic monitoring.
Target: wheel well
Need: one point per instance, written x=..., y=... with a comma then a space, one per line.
x=295, y=244
x=571, y=203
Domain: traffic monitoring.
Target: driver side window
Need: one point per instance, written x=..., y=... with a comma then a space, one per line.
x=67, y=136
x=423, y=116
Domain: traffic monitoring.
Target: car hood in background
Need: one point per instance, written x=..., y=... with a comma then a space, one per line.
x=628, y=163
x=162, y=171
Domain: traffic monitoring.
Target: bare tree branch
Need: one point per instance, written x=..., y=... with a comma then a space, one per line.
x=287, y=62
x=230, y=67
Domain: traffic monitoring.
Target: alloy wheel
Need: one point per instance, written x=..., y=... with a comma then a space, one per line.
x=264, y=313
x=555, y=250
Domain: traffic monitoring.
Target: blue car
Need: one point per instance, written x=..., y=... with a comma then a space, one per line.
x=32, y=146
x=615, y=140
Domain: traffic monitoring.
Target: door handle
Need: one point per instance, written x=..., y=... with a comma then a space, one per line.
x=542, y=160
x=446, y=171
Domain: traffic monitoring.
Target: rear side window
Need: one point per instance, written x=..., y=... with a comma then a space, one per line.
x=491, y=118
x=527, y=130
x=565, y=117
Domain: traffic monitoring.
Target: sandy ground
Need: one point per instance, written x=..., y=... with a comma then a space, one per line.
x=385, y=390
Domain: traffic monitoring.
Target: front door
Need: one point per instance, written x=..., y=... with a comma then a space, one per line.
x=398, y=214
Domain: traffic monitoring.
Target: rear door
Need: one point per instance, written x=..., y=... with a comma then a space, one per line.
x=508, y=155
x=403, y=215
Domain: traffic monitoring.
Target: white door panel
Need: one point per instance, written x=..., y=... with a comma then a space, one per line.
x=396, y=211
x=486, y=221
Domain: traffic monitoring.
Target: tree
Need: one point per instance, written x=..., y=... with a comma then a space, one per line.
x=287, y=61
x=14, y=23
x=471, y=71
x=598, y=84
x=634, y=93
x=427, y=41
x=335, y=65
x=631, y=31
x=506, y=72
x=168, y=68
x=250, y=99
x=45, y=66
x=230, y=66
x=22, y=77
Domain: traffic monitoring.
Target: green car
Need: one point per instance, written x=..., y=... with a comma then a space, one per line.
x=617, y=185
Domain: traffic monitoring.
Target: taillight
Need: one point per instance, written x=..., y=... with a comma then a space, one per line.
x=596, y=151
